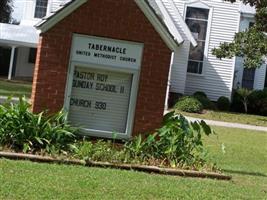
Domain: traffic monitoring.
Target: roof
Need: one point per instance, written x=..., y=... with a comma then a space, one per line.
x=168, y=10
x=167, y=31
x=18, y=35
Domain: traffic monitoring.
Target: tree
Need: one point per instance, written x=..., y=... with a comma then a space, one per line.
x=6, y=8
x=252, y=43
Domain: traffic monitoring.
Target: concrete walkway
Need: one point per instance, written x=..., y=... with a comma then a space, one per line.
x=230, y=125
x=4, y=98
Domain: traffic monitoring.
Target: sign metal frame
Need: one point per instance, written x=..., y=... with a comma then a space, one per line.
x=132, y=99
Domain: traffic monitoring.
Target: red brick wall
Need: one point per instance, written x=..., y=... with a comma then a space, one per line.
x=117, y=19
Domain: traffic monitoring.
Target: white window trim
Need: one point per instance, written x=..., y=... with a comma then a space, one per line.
x=48, y=9
x=200, y=4
x=132, y=99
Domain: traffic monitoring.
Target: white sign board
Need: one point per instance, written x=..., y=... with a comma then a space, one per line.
x=106, y=52
x=103, y=85
x=100, y=99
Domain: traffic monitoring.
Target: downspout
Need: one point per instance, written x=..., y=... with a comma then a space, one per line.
x=168, y=84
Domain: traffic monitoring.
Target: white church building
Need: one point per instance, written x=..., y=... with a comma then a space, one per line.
x=197, y=25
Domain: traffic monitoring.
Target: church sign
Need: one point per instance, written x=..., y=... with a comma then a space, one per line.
x=102, y=85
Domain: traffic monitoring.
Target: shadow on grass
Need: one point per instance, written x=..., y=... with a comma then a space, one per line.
x=245, y=173
x=263, y=120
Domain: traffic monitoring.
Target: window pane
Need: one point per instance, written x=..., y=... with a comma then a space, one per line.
x=198, y=13
x=40, y=8
x=248, y=78
x=197, y=21
x=198, y=28
x=32, y=55
x=195, y=67
x=197, y=53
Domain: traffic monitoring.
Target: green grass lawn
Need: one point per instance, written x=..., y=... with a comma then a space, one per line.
x=245, y=158
x=16, y=89
x=230, y=117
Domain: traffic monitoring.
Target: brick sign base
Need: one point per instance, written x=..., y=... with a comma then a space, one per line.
x=121, y=20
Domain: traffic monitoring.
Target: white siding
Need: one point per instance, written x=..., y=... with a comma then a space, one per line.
x=29, y=9
x=55, y=4
x=247, y=9
x=178, y=70
x=238, y=73
x=244, y=24
x=28, y=13
x=23, y=67
x=260, y=73
x=217, y=75
x=259, y=80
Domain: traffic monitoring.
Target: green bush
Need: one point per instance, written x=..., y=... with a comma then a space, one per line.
x=189, y=104
x=237, y=105
x=22, y=130
x=178, y=142
x=173, y=98
x=101, y=150
x=244, y=94
x=223, y=103
x=200, y=93
x=258, y=102
x=206, y=103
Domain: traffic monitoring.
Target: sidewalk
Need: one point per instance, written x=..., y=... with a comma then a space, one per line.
x=4, y=98
x=230, y=125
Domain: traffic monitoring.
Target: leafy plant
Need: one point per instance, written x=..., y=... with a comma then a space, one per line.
x=237, y=105
x=22, y=130
x=244, y=93
x=200, y=93
x=178, y=142
x=189, y=104
x=223, y=103
x=100, y=150
x=206, y=103
x=258, y=102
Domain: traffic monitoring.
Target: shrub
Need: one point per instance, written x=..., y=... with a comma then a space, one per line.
x=173, y=98
x=178, y=142
x=223, y=103
x=189, y=104
x=244, y=93
x=237, y=105
x=258, y=102
x=200, y=93
x=22, y=130
x=99, y=151
x=206, y=103
x=203, y=99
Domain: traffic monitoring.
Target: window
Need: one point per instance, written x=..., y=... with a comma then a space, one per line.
x=197, y=21
x=40, y=8
x=32, y=55
x=248, y=78
x=265, y=85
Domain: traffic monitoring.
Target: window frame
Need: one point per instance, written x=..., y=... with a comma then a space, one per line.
x=47, y=9
x=32, y=55
x=200, y=5
x=251, y=80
